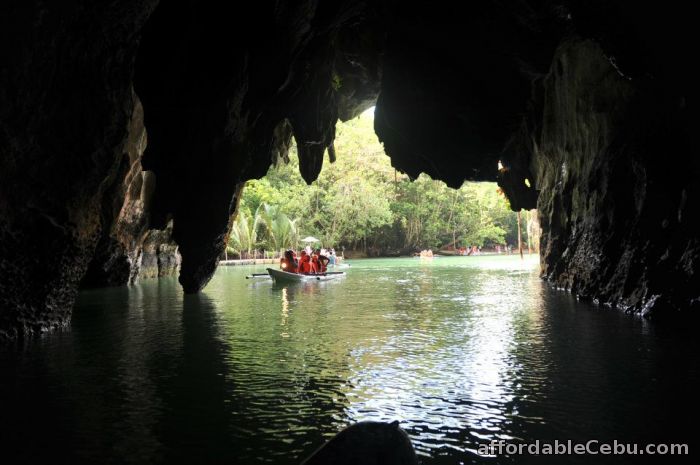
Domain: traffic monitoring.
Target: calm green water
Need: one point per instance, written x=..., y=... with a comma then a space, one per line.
x=461, y=350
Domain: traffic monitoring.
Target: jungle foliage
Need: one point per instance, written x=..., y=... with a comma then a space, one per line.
x=360, y=202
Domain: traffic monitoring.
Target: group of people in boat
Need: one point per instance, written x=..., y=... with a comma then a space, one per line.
x=308, y=261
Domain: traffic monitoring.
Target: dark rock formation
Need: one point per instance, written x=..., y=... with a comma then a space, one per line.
x=128, y=249
x=66, y=100
x=231, y=87
x=618, y=222
x=586, y=105
x=456, y=80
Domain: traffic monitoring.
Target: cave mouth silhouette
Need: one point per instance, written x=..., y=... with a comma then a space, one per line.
x=363, y=206
x=587, y=101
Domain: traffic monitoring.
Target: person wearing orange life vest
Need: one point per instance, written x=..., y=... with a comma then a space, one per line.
x=315, y=266
x=289, y=262
x=305, y=263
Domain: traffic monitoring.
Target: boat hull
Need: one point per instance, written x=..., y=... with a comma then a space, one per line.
x=280, y=276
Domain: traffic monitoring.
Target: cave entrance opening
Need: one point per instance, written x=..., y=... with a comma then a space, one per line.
x=363, y=207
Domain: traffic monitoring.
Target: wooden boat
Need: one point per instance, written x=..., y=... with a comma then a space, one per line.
x=286, y=277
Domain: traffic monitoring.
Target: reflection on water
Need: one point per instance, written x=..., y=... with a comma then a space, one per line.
x=460, y=350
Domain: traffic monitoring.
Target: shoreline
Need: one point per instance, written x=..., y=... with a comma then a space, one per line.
x=269, y=261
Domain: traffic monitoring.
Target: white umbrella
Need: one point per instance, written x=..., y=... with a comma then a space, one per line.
x=310, y=239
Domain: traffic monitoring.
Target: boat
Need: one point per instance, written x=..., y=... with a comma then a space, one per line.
x=286, y=277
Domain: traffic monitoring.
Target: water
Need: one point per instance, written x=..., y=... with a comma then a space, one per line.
x=461, y=350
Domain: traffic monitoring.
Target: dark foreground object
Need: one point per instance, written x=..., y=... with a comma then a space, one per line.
x=367, y=443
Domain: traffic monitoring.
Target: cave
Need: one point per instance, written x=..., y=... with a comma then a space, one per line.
x=128, y=130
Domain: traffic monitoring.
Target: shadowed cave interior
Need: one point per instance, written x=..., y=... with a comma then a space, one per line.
x=128, y=129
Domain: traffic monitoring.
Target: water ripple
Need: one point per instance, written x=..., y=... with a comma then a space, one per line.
x=461, y=351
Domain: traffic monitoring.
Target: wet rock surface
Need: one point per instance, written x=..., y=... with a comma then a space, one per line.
x=66, y=100
x=615, y=217
x=586, y=105
x=128, y=249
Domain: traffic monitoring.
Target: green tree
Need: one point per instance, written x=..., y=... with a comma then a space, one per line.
x=244, y=236
x=280, y=231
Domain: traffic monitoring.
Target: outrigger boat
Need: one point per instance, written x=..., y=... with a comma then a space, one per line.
x=295, y=275
x=286, y=277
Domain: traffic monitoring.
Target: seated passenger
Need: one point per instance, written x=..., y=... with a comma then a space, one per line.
x=304, y=263
x=321, y=261
x=315, y=266
x=288, y=262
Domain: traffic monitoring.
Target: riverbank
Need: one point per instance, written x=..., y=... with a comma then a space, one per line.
x=357, y=254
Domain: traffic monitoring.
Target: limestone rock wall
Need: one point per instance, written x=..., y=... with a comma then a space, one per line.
x=223, y=91
x=223, y=86
x=618, y=186
x=66, y=102
x=128, y=249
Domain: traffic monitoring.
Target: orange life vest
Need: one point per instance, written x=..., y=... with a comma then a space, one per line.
x=305, y=264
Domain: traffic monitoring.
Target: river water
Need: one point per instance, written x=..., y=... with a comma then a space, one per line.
x=460, y=350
